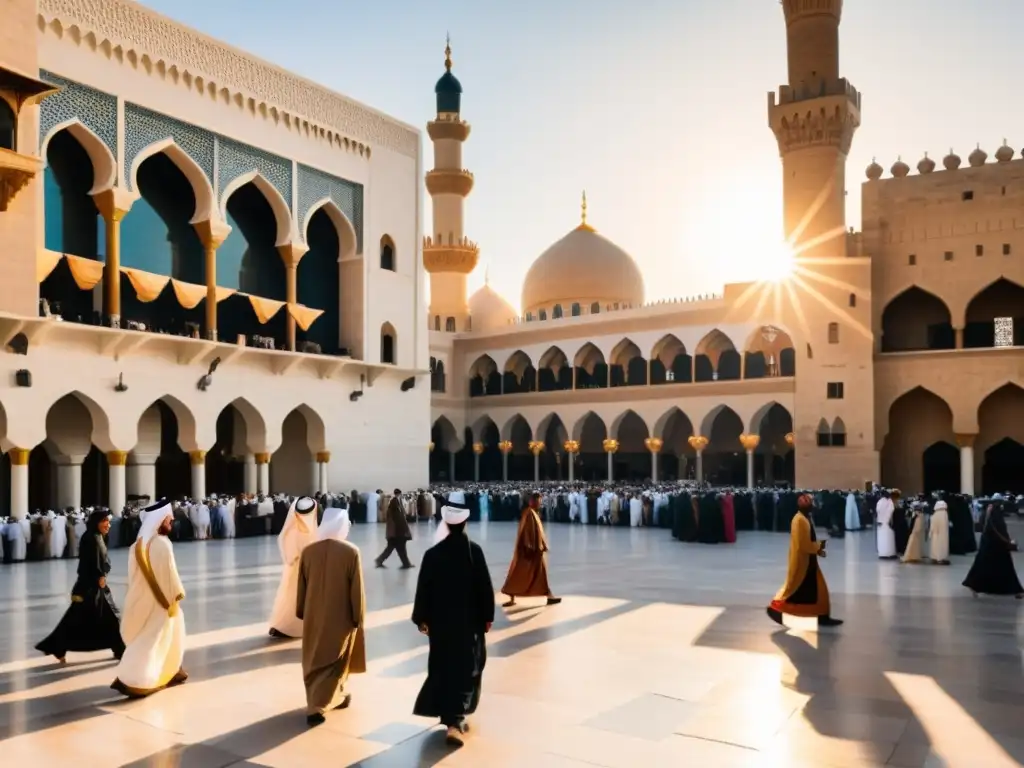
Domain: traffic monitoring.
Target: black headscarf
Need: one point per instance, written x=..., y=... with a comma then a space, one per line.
x=92, y=525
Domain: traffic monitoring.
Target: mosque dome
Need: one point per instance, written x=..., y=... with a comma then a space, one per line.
x=488, y=310
x=1005, y=153
x=874, y=171
x=899, y=168
x=977, y=157
x=448, y=91
x=951, y=161
x=583, y=267
x=927, y=165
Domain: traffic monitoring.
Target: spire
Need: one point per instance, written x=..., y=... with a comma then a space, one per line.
x=448, y=53
x=487, y=275
x=583, y=215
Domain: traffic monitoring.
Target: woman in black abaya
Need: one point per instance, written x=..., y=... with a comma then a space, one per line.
x=92, y=622
x=993, y=572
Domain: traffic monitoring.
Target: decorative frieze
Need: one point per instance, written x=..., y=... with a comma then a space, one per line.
x=94, y=109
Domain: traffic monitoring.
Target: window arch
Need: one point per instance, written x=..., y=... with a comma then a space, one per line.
x=838, y=433
x=576, y=309
x=556, y=312
x=388, y=344
x=437, y=322
x=833, y=333
x=8, y=127
x=853, y=299
x=387, y=253
x=529, y=317
x=824, y=434
x=595, y=308
x=449, y=325
x=542, y=314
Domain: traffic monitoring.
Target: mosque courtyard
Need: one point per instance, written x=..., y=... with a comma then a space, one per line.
x=660, y=655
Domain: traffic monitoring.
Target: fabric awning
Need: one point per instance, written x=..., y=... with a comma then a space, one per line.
x=188, y=294
x=147, y=285
x=304, y=316
x=46, y=262
x=87, y=273
x=265, y=309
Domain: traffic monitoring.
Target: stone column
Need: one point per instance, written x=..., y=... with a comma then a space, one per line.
x=117, y=491
x=505, y=446
x=572, y=447
x=959, y=336
x=19, y=482
x=611, y=447
x=250, y=474
x=198, y=461
x=141, y=475
x=478, y=449
x=749, y=443
x=699, y=443
x=69, y=482
x=263, y=473
x=291, y=253
x=536, y=446
x=213, y=234
x=113, y=204
x=323, y=458
x=654, y=445
x=966, y=443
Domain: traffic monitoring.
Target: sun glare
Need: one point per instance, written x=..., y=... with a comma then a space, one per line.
x=778, y=262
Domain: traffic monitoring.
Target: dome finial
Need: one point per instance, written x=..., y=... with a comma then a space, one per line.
x=583, y=215
x=487, y=275
x=448, y=52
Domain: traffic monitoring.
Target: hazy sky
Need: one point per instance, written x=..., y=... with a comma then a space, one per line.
x=657, y=108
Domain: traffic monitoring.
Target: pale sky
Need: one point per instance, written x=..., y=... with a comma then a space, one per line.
x=657, y=108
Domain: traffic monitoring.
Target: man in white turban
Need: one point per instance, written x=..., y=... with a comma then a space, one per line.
x=297, y=533
x=153, y=627
x=331, y=603
x=454, y=607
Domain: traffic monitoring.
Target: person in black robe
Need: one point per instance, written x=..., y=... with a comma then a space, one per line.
x=710, y=523
x=454, y=607
x=900, y=524
x=962, y=538
x=92, y=622
x=993, y=572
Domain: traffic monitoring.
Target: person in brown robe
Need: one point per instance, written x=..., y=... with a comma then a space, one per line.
x=396, y=532
x=332, y=606
x=528, y=571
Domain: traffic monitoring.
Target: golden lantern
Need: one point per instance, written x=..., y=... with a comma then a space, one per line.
x=610, y=446
x=430, y=447
x=571, y=446
x=698, y=442
x=505, y=446
x=653, y=444
x=790, y=439
x=750, y=442
x=536, y=447
x=478, y=448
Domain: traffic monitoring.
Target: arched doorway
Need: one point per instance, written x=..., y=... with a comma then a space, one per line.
x=670, y=364
x=1000, y=436
x=445, y=439
x=591, y=370
x=774, y=458
x=916, y=320
x=716, y=358
x=724, y=460
x=941, y=467
x=917, y=419
x=520, y=460
x=995, y=316
x=553, y=464
x=293, y=467
x=591, y=432
x=633, y=460
x=553, y=371
x=319, y=282
x=677, y=459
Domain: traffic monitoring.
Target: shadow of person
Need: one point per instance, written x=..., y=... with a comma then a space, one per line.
x=33, y=677
x=424, y=750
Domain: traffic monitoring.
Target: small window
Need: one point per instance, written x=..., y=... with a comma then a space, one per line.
x=838, y=439
x=542, y=314
x=979, y=250
x=595, y=308
x=810, y=352
x=1004, y=191
x=1006, y=249
x=948, y=256
x=437, y=322
x=912, y=259
x=833, y=333
x=449, y=325
x=967, y=195
x=387, y=344
x=556, y=313
x=853, y=299
x=824, y=434
x=575, y=309
x=8, y=127
x=529, y=317
x=834, y=390
x=387, y=254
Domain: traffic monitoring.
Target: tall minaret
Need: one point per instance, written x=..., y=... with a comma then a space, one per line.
x=447, y=255
x=814, y=118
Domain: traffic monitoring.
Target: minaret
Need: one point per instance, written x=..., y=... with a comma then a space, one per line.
x=447, y=255
x=814, y=118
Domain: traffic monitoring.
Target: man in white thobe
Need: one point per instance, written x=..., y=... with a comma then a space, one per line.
x=938, y=534
x=152, y=625
x=297, y=533
x=885, y=535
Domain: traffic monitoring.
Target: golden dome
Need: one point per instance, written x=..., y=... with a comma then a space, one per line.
x=582, y=267
x=488, y=310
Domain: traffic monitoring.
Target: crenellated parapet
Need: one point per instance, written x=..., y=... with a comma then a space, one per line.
x=445, y=181
x=951, y=162
x=452, y=129
x=830, y=120
x=458, y=255
x=797, y=10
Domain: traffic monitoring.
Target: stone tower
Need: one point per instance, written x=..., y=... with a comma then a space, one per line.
x=814, y=118
x=448, y=255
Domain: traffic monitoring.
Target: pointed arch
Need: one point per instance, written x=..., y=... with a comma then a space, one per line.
x=104, y=164
x=187, y=428
x=587, y=356
x=585, y=421
x=517, y=427
x=349, y=242
x=543, y=426
x=483, y=425
x=255, y=425
x=629, y=414
x=667, y=348
x=623, y=352
x=823, y=433
x=766, y=413
x=483, y=366
x=838, y=432
x=994, y=317
x=99, y=433
x=553, y=357
x=517, y=363
x=282, y=212
x=707, y=424
x=316, y=430
x=206, y=207
x=916, y=319
x=444, y=435
x=388, y=344
x=388, y=254
x=714, y=344
x=668, y=420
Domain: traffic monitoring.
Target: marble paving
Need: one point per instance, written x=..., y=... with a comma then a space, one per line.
x=661, y=655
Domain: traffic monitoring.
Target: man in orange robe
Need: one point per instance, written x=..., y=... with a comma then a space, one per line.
x=805, y=592
x=528, y=571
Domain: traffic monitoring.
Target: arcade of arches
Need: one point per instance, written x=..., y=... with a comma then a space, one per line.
x=76, y=465
x=627, y=448
x=921, y=450
x=768, y=353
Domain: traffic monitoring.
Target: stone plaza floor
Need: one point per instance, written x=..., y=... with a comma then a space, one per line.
x=660, y=655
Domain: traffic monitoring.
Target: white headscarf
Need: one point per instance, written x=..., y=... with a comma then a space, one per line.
x=303, y=507
x=152, y=518
x=335, y=525
x=452, y=513
x=940, y=506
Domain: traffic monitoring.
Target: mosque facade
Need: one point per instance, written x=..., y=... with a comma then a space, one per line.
x=210, y=277
x=892, y=354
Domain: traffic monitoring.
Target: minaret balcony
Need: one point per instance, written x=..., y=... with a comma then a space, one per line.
x=448, y=129
x=830, y=121
x=450, y=182
x=458, y=256
x=807, y=91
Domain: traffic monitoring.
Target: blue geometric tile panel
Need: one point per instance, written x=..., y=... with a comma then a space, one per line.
x=143, y=127
x=315, y=185
x=235, y=159
x=96, y=110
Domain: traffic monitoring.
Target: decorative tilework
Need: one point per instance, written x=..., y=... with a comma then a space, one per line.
x=315, y=185
x=143, y=127
x=96, y=110
x=235, y=159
